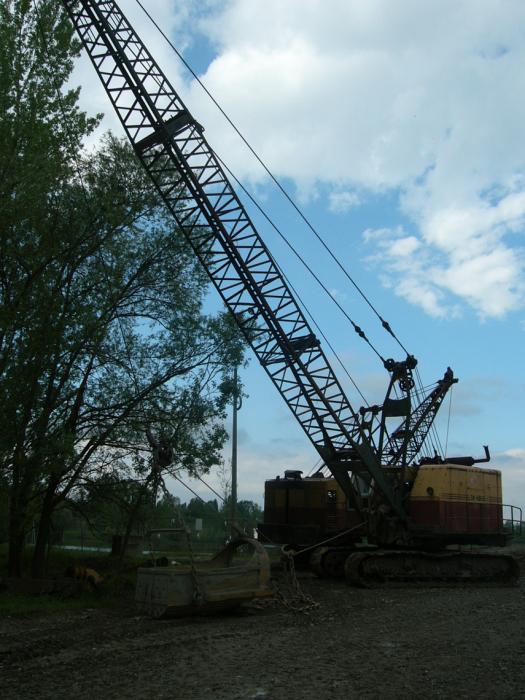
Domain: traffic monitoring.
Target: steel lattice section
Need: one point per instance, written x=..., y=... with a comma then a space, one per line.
x=189, y=177
x=419, y=423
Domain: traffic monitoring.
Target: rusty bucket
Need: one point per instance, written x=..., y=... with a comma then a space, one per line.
x=202, y=587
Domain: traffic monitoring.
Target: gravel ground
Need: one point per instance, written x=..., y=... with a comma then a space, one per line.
x=399, y=643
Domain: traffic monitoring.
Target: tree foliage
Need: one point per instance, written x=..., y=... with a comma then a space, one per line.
x=103, y=335
x=107, y=507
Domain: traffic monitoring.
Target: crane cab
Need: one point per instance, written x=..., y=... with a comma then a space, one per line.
x=445, y=504
x=304, y=510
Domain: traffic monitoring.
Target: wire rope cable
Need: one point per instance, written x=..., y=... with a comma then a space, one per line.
x=448, y=420
x=259, y=207
x=273, y=178
x=434, y=438
x=432, y=435
x=355, y=326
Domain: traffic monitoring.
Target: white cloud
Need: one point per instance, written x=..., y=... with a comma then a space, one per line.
x=341, y=202
x=516, y=453
x=420, y=99
x=256, y=464
x=408, y=269
x=474, y=393
x=171, y=17
x=512, y=466
x=404, y=247
x=337, y=294
x=490, y=279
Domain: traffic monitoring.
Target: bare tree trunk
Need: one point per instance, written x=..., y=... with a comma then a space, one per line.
x=38, y=563
x=17, y=533
x=17, y=526
x=133, y=514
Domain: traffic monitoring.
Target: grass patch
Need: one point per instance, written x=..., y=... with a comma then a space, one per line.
x=117, y=588
x=21, y=605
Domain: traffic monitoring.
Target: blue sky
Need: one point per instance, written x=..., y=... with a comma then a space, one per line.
x=398, y=128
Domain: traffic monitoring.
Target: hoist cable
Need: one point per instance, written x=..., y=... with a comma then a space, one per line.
x=326, y=340
x=188, y=487
x=328, y=343
x=277, y=183
x=356, y=328
x=448, y=421
x=316, y=467
x=258, y=206
x=211, y=488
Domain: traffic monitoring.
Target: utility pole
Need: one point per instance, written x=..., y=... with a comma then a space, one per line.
x=237, y=401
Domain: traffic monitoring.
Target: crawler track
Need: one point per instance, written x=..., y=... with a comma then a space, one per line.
x=388, y=568
x=329, y=562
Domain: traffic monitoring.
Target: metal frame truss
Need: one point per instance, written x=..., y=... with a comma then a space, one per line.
x=410, y=435
x=194, y=187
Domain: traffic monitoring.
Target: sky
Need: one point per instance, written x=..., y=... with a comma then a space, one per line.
x=397, y=127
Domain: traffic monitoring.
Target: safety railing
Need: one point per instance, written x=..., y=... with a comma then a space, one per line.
x=512, y=519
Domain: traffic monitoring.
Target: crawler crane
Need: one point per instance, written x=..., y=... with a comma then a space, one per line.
x=407, y=508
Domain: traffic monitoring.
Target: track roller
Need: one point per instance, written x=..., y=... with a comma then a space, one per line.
x=329, y=562
x=384, y=568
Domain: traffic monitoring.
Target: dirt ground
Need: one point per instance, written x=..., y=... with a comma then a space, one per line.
x=400, y=643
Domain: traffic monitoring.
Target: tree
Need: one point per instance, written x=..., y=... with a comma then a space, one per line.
x=106, y=505
x=4, y=507
x=248, y=514
x=33, y=167
x=102, y=331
